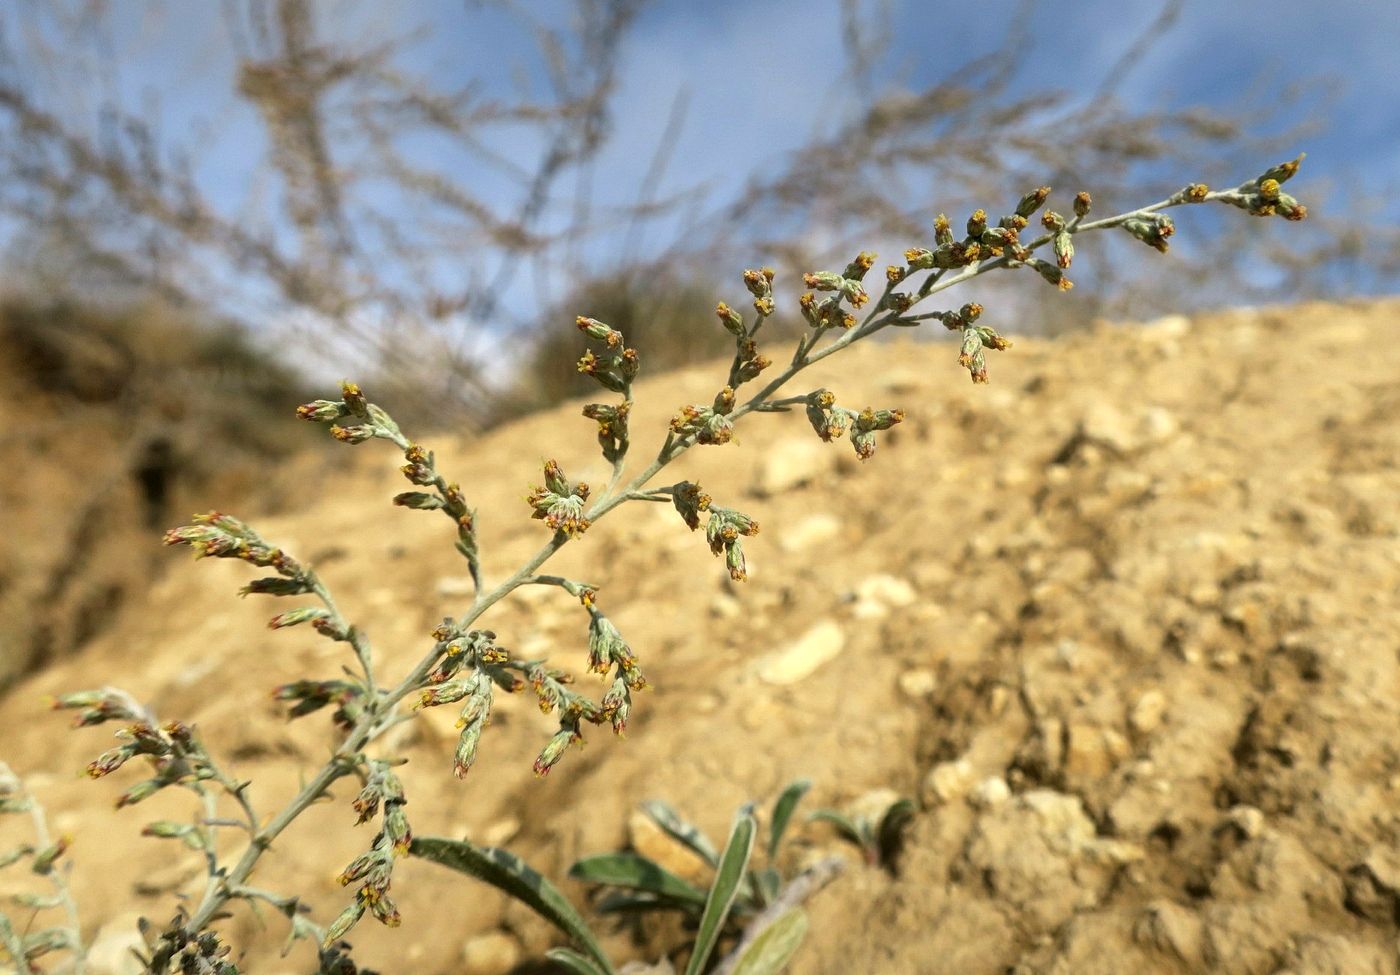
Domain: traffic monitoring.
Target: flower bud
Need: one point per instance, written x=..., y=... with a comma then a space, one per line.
x=396, y=828
x=942, y=230
x=355, y=401
x=734, y=562
x=353, y=435
x=1082, y=203
x=689, y=501
x=919, y=258
x=827, y=419
x=295, y=616
x=1283, y=172
x=856, y=270
x=322, y=410
x=1063, y=245
x=760, y=282
x=139, y=791
x=617, y=705
x=275, y=586
x=1152, y=230
x=1032, y=201
x=732, y=321
x=977, y=223
x=418, y=500
x=341, y=926
x=555, y=748
x=595, y=329
x=1052, y=273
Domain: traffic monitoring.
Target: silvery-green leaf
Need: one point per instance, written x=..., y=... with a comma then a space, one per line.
x=637, y=872
x=782, y=813
x=680, y=829
x=773, y=949
x=507, y=872
x=729, y=875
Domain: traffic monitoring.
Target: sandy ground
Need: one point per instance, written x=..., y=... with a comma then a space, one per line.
x=1125, y=623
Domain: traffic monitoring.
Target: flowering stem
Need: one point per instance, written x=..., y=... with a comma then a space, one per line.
x=379, y=714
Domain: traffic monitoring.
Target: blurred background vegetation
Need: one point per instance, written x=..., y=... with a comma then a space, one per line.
x=211, y=210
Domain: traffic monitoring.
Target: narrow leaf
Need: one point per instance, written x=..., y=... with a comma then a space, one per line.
x=843, y=823
x=573, y=961
x=891, y=826
x=782, y=813
x=681, y=830
x=508, y=873
x=630, y=870
x=769, y=883
x=773, y=949
x=728, y=876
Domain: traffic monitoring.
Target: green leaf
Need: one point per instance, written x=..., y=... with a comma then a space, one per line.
x=774, y=948
x=573, y=961
x=508, y=873
x=637, y=872
x=892, y=824
x=769, y=882
x=681, y=830
x=844, y=824
x=782, y=813
x=728, y=876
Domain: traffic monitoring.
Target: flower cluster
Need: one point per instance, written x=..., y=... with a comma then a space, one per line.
x=831, y=421
x=612, y=428
x=469, y=665
x=616, y=366
x=707, y=424
x=827, y=312
x=420, y=467
x=723, y=532
x=558, y=504
x=373, y=869
x=1263, y=196
x=176, y=949
x=217, y=535
x=614, y=370
x=176, y=757
x=608, y=651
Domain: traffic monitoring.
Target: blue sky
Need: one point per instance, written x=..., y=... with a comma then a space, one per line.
x=761, y=77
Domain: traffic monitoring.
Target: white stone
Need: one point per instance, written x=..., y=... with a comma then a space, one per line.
x=887, y=589
x=1124, y=432
x=918, y=684
x=948, y=781
x=990, y=793
x=804, y=656
x=1248, y=819
x=1147, y=714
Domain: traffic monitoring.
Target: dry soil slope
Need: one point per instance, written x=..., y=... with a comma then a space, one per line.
x=1147, y=579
